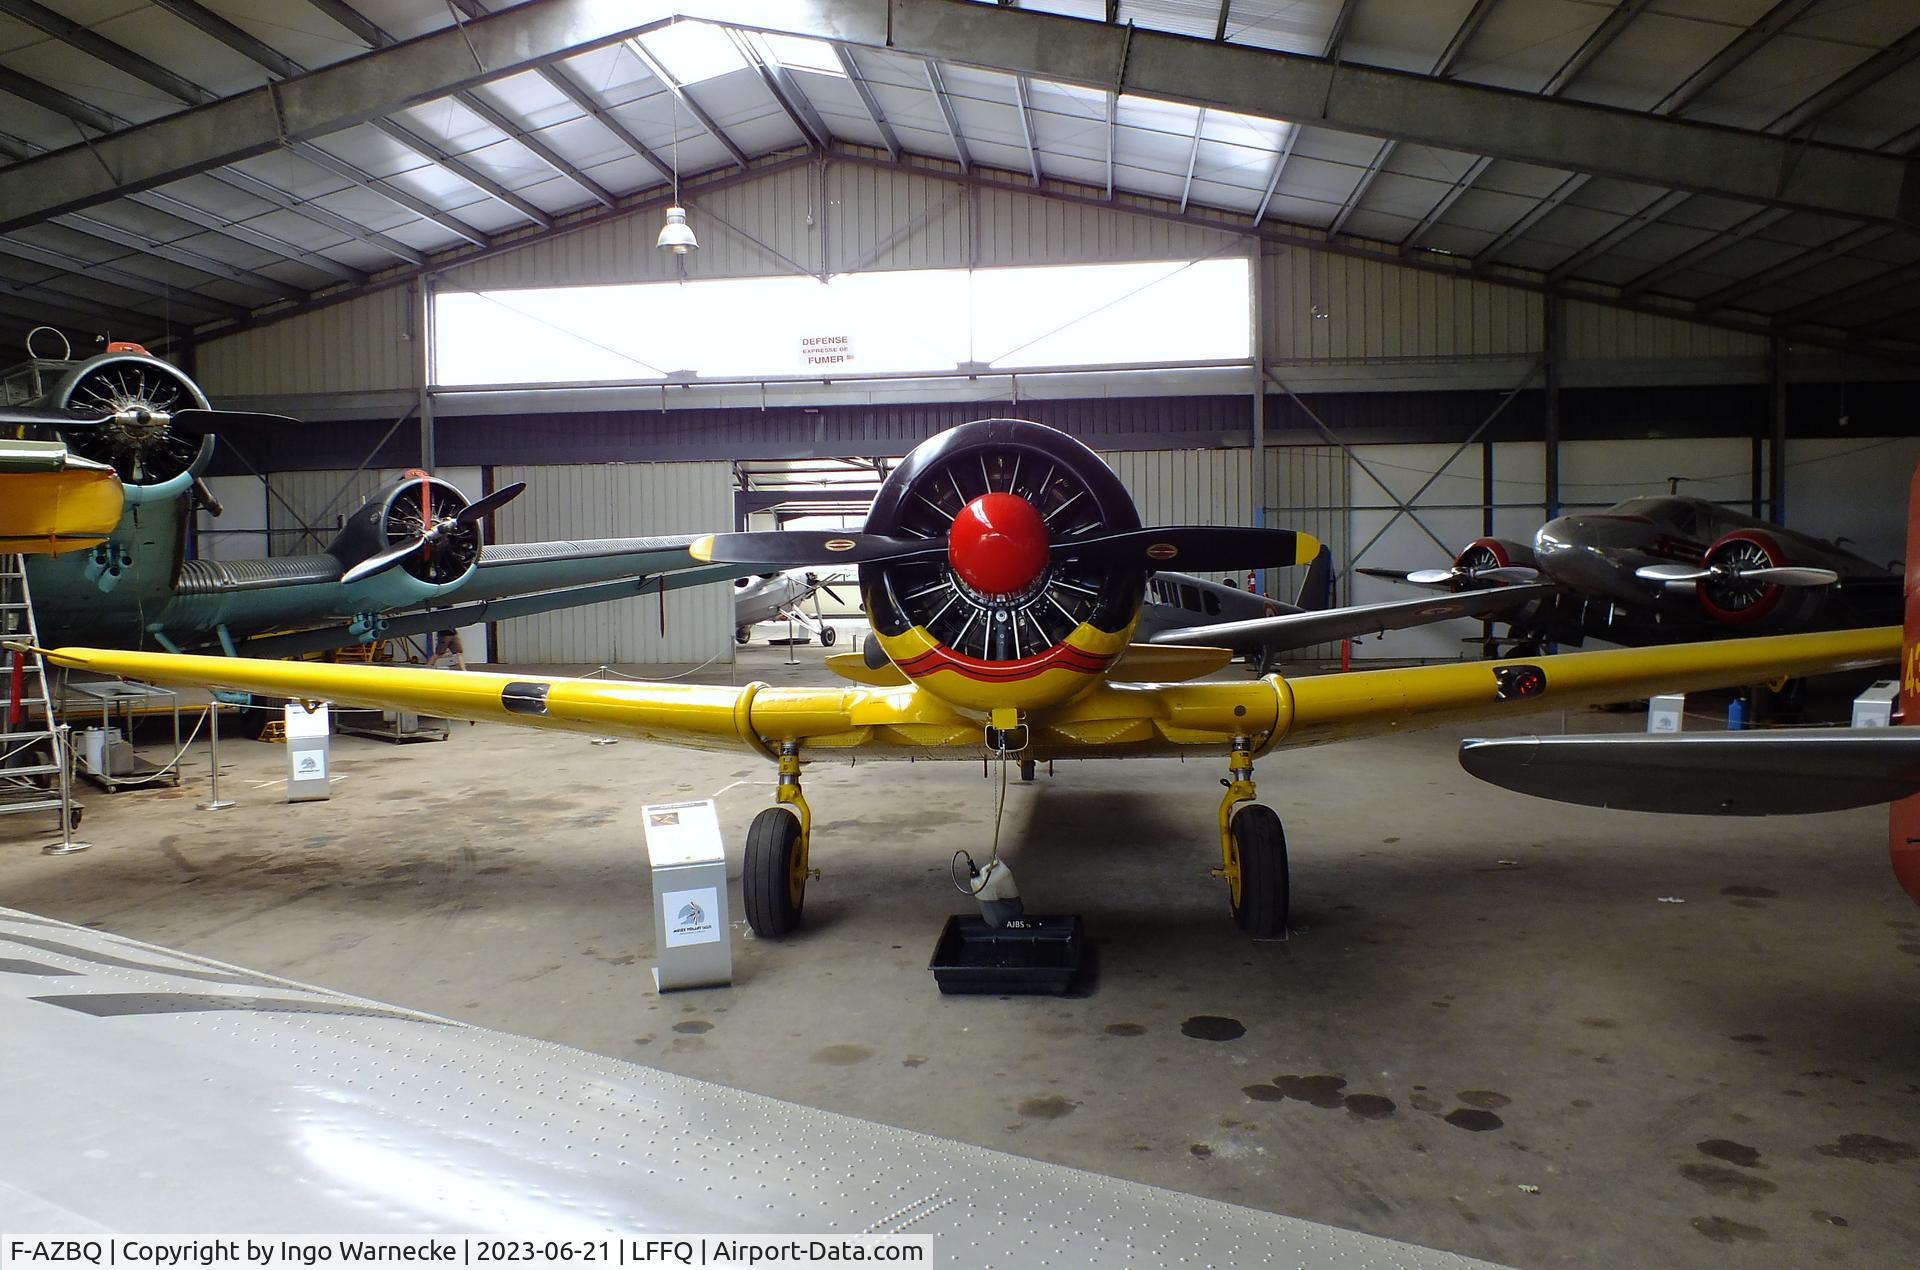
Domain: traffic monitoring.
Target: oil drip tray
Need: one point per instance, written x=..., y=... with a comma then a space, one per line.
x=1040, y=954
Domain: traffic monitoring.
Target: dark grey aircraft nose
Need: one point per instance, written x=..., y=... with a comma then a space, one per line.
x=1583, y=552
x=1558, y=533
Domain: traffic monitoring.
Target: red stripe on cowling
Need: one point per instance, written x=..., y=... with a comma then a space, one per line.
x=1058, y=657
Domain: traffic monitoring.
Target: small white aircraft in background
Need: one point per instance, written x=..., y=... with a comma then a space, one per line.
x=779, y=597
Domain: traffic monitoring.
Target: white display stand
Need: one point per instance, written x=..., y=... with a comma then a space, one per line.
x=308, y=732
x=690, y=919
x=1667, y=713
x=1874, y=707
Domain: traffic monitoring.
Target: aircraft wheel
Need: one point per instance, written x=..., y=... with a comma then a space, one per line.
x=1786, y=704
x=741, y=634
x=260, y=715
x=1260, y=844
x=73, y=817
x=772, y=885
x=827, y=636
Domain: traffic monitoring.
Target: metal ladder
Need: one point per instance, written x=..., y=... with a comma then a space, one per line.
x=33, y=773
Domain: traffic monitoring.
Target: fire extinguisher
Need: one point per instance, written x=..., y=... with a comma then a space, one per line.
x=1252, y=580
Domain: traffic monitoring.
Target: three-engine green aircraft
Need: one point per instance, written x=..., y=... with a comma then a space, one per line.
x=409, y=560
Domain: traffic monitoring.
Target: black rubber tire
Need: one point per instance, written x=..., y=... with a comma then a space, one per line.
x=741, y=634
x=261, y=714
x=1028, y=768
x=828, y=636
x=41, y=756
x=73, y=817
x=1788, y=705
x=1264, y=886
x=766, y=889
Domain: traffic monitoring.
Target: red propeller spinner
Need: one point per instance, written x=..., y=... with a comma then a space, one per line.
x=998, y=544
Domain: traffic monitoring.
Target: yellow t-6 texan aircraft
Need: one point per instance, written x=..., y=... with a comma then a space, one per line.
x=1003, y=566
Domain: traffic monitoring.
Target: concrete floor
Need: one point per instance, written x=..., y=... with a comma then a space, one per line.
x=1484, y=993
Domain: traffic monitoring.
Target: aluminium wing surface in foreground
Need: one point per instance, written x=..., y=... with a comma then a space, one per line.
x=150, y=1091
x=1107, y=719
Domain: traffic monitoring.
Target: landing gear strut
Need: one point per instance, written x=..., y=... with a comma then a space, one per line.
x=773, y=885
x=1253, y=851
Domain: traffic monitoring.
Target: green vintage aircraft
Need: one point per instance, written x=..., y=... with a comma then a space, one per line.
x=407, y=561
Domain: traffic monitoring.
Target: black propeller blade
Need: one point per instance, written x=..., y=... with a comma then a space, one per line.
x=46, y=417
x=491, y=503
x=224, y=420
x=817, y=583
x=1193, y=548
x=1189, y=547
x=193, y=418
x=381, y=561
x=795, y=548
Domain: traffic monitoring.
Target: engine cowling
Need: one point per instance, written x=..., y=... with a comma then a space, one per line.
x=1737, y=601
x=138, y=395
x=1492, y=553
x=998, y=619
x=394, y=516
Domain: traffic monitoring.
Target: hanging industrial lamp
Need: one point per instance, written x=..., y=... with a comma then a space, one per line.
x=676, y=235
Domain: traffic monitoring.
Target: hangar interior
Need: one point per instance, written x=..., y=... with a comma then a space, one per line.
x=1400, y=275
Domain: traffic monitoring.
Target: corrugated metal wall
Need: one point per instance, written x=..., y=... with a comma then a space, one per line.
x=852, y=217
x=1322, y=308
x=620, y=500
x=1327, y=307
x=1186, y=487
x=360, y=345
x=305, y=509
x=773, y=209
x=1308, y=490
x=1598, y=333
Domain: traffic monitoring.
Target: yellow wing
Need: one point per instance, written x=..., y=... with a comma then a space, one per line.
x=751, y=717
x=1112, y=719
x=1336, y=707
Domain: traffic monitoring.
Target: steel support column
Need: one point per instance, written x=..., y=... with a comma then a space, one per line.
x=1777, y=441
x=1553, y=341
x=423, y=366
x=1257, y=350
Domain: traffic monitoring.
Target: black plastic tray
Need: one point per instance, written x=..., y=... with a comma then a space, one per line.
x=1043, y=955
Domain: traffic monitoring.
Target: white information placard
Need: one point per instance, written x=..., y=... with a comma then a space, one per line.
x=692, y=916
x=682, y=833
x=302, y=722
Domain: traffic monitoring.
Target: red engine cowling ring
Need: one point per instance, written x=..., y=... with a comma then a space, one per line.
x=1491, y=548
x=1758, y=546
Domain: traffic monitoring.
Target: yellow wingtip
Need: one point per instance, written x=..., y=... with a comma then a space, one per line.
x=702, y=549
